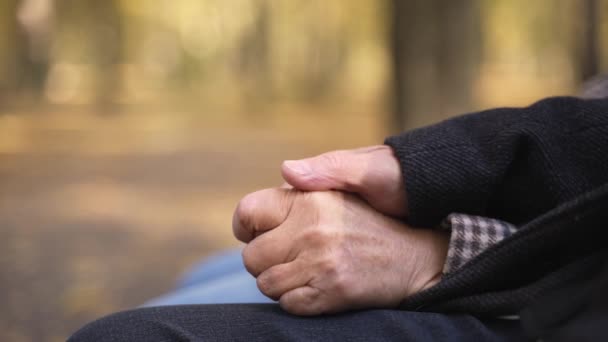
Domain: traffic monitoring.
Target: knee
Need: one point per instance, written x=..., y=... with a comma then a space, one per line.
x=133, y=325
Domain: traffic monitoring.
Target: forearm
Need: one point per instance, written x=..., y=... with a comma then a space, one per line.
x=511, y=163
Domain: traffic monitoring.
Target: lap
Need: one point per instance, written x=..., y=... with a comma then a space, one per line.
x=253, y=322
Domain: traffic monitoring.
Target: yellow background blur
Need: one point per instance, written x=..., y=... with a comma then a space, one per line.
x=129, y=129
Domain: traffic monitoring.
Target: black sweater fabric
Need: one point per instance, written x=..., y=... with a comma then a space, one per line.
x=543, y=168
x=513, y=164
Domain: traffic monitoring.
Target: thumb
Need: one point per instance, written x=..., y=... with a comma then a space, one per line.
x=372, y=172
x=336, y=170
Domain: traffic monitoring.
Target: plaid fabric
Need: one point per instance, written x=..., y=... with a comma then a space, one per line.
x=471, y=235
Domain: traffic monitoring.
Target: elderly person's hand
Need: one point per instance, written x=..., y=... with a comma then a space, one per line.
x=326, y=252
x=371, y=172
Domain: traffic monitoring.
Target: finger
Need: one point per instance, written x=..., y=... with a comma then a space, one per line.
x=261, y=211
x=270, y=249
x=372, y=172
x=346, y=170
x=303, y=301
x=282, y=278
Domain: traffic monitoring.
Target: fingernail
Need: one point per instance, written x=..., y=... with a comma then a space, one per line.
x=298, y=166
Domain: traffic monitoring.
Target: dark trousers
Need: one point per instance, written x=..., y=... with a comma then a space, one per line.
x=267, y=322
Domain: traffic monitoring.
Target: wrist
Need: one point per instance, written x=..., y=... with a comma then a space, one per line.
x=431, y=254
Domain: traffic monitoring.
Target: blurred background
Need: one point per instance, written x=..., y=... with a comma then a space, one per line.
x=129, y=129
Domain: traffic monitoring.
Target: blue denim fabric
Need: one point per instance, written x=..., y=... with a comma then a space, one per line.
x=220, y=279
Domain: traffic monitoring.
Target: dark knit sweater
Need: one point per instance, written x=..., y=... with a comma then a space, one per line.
x=512, y=164
x=543, y=167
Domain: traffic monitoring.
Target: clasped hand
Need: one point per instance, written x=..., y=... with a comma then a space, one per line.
x=327, y=245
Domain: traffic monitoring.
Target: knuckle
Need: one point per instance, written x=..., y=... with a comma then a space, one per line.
x=333, y=160
x=245, y=209
x=317, y=236
x=254, y=212
x=302, y=302
x=329, y=267
x=249, y=259
x=289, y=304
x=343, y=287
x=266, y=282
x=339, y=279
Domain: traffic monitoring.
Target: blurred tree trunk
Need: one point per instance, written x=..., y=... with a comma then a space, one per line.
x=98, y=42
x=12, y=50
x=435, y=51
x=23, y=49
x=253, y=56
x=108, y=37
x=589, y=52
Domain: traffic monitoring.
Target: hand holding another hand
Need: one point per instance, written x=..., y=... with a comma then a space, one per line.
x=326, y=252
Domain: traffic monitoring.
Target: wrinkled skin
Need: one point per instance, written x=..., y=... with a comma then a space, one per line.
x=371, y=172
x=330, y=251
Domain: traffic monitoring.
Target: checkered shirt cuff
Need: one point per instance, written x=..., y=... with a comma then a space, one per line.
x=471, y=235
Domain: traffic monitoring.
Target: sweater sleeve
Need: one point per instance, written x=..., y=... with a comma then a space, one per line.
x=511, y=164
